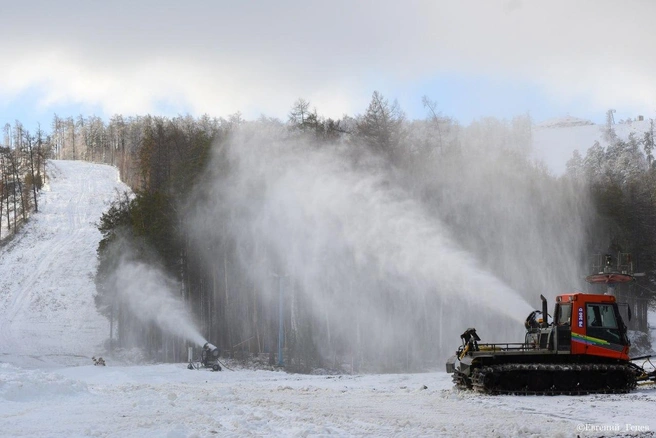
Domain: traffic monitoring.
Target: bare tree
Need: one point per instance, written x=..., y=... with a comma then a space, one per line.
x=4, y=192
x=70, y=122
x=648, y=143
x=8, y=135
x=299, y=113
x=33, y=145
x=58, y=136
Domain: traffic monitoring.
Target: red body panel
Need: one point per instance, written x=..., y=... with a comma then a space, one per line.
x=582, y=342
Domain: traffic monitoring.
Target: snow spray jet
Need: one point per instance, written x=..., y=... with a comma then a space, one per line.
x=378, y=272
x=522, y=223
x=149, y=294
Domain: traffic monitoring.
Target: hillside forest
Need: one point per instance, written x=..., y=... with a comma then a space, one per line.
x=367, y=242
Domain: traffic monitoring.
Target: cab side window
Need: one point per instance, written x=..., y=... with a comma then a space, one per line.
x=601, y=315
x=564, y=315
x=601, y=320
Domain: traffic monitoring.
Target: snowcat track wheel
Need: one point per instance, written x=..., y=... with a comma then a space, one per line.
x=565, y=380
x=515, y=380
x=591, y=380
x=540, y=381
x=616, y=379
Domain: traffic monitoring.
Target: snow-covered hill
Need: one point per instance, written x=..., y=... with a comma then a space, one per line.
x=47, y=313
x=48, y=388
x=555, y=140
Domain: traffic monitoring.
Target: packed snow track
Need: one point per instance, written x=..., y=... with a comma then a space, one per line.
x=47, y=312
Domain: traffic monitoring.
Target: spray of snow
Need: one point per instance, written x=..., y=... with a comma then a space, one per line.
x=376, y=268
x=150, y=295
x=316, y=208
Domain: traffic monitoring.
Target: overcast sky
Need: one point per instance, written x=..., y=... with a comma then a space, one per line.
x=475, y=58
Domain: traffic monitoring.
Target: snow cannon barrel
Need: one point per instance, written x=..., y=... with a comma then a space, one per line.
x=211, y=352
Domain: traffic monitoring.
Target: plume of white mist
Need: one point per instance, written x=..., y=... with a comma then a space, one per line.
x=317, y=203
x=373, y=263
x=149, y=294
x=529, y=227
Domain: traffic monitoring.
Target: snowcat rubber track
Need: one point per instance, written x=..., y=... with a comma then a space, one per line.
x=461, y=380
x=552, y=379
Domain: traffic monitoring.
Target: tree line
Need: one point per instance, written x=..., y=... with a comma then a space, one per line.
x=225, y=275
x=22, y=175
x=519, y=221
x=621, y=179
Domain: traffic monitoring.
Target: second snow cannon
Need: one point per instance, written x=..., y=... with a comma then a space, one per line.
x=209, y=358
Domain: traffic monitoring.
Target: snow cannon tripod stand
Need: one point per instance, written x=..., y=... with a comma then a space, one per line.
x=209, y=358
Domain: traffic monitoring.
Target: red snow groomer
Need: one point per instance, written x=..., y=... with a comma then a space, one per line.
x=584, y=350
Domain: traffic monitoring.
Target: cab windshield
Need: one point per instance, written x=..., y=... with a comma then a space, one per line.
x=602, y=323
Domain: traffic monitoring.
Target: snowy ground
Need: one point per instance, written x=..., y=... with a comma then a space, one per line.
x=49, y=329
x=169, y=400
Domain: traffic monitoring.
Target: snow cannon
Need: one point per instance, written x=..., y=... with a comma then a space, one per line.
x=209, y=358
x=210, y=352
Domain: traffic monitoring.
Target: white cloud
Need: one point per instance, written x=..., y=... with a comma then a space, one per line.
x=220, y=57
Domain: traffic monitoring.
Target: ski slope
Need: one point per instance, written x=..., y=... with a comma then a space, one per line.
x=47, y=313
x=49, y=330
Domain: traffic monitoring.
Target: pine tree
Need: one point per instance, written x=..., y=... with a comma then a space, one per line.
x=381, y=127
